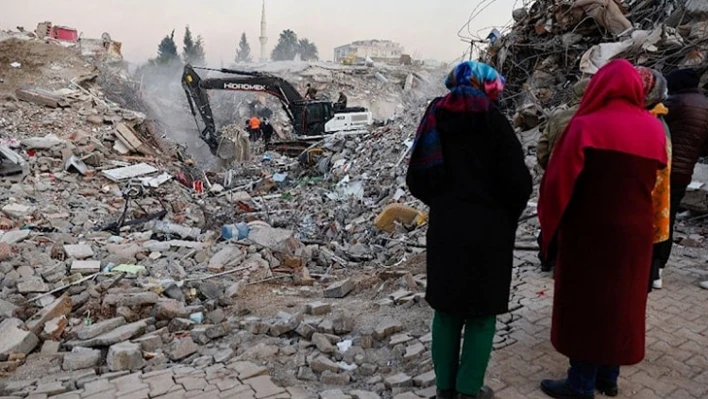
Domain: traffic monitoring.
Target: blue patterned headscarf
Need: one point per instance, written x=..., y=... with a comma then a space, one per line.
x=478, y=76
x=474, y=87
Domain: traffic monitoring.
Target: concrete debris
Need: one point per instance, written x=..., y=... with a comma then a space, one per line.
x=14, y=339
x=126, y=248
x=81, y=358
x=652, y=34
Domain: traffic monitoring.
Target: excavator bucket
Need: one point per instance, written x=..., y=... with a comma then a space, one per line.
x=226, y=149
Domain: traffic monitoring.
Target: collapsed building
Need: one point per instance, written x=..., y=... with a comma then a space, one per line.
x=123, y=254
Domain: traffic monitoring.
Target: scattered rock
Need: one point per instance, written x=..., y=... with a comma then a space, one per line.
x=6, y=309
x=425, y=380
x=331, y=378
x=102, y=327
x=81, y=358
x=120, y=334
x=14, y=236
x=318, y=308
x=32, y=285
x=125, y=356
x=80, y=251
x=387, y=327
x=400, y=380
x=235, y=289
x=14, y=339
x=339, y=289
x=414, y=351
x=321, y=364
x=334, y=394
x=364, y=395
x=323, y=344
x=182, y=348
x=59, y=307
x=131, y=300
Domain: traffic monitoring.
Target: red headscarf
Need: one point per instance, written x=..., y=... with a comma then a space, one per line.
x=610, y=117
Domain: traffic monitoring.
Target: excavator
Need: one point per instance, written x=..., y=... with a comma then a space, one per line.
x=310, y=118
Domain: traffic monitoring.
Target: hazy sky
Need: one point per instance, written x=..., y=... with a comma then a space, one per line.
x=425, y=28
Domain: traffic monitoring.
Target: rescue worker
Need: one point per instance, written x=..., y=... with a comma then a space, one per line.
x=311, y=93
x=341, y=101
x=267, y=130
x=254, y=125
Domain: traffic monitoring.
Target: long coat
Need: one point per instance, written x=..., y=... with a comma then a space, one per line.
x=604, y=255
x=473, y=220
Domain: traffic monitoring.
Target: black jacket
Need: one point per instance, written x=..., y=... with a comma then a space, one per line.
x=473, y=219
x=688, y=125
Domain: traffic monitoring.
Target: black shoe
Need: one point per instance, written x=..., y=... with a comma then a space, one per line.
x=484, y=393
x=560, y=389
x=445, y=394
x=607, y=388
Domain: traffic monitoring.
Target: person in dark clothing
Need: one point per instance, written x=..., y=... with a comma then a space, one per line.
x=688, y=123
x=468, y=166
x=267, y=131
x=311, y=93
x=341, y=101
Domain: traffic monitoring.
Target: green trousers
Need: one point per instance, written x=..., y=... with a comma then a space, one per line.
x=462, y=373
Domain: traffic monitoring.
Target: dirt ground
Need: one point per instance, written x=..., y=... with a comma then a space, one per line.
x=44, y=65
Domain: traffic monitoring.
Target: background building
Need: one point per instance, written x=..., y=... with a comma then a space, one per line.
x=378, y=50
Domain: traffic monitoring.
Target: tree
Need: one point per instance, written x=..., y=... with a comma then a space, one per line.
x=167, y=49
x=287, y=47
x=243, y=53
x=308, y=50
x=193, y=50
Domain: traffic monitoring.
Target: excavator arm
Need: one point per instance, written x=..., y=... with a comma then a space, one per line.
x=308, y=117
x=196, y=89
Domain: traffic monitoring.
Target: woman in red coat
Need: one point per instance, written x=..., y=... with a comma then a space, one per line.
x=596, y=198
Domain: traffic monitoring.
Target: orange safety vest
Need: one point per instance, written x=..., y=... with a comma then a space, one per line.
x=255, y=123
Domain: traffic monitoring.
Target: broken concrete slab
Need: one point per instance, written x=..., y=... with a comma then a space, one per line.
x=334, y=394
x=125, y=356
x=120, y=334
x=40, y=97
x=387, y=327
x=79, y=251
x=60, y=307
x=425, y=380
x=7, y=309
x=182, y=348
x=54, y=328
x=85, y=266
x=15, y=339
x=14, y=236
x=272, y=238
x=32, y=285
x=131, y=300
x=323, y=363
x=102, y=327
x=229, y=255
x=81, y=358
x=400, y=380
x=129, y=172
x=318, y=308
x=339, y=289
x=17, y=211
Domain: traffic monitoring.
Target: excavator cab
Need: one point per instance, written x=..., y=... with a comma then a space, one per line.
x=309, y=118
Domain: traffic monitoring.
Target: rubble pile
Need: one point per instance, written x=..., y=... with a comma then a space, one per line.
x=117, y=255
x=554, y=42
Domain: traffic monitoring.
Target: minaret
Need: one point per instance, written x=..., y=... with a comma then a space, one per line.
x=263, y=38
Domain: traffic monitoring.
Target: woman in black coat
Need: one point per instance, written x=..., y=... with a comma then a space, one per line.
x=468, y=166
